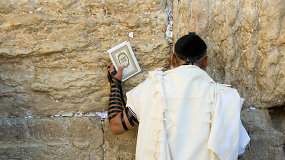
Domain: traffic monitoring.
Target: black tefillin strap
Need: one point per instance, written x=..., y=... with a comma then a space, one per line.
x=192, y=33
x=117, y=103
x=130, y=116
x=191, y=60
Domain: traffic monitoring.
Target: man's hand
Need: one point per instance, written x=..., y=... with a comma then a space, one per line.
x=119, y=72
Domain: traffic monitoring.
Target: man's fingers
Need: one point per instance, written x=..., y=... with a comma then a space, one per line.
x=121, y=67
x=119, y=73
x=112, y=68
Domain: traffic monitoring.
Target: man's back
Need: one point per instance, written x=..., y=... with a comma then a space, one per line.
x=179, y=102
x=189, y=96
x=184, y=114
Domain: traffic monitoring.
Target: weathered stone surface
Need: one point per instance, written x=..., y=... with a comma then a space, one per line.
x=119, y=146
x=245, y=43
x=51, y=138
x=266, y=142
x=247, y=50
x=53, y=54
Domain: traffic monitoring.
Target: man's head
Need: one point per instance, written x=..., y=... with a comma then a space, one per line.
x=190, y=49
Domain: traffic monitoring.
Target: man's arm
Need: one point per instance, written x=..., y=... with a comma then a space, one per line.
x=120, y=117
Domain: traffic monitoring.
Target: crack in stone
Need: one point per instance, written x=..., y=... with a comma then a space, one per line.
x=103, y=138
x=102, y=115
x=168, y=33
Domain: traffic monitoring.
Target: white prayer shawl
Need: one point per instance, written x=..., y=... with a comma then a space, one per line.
x=152, y=141
x=228, y=138
x=222, y=136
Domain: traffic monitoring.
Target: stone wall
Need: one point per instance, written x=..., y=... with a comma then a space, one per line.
x=246, y=46
x=53, y=85
x=246, y=42
x=53, y=57
x=53, y=53
x=51, y=138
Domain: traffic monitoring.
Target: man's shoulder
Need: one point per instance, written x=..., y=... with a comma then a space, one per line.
x=155, y=73
x=226, y=88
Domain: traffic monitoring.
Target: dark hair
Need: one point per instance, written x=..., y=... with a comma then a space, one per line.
x=190, y=48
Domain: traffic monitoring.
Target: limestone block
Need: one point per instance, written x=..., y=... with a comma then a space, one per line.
x=266, y=142
x=53, y=53
x=245, y=43
x=51, y=138
x=119, y=146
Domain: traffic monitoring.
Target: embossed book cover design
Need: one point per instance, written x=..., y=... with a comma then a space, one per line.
x=123, y=54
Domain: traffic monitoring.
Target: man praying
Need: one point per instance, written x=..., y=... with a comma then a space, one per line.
x=182, y=113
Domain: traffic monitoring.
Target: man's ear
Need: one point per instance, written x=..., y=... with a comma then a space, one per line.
x=206, y=62
x=173, y=60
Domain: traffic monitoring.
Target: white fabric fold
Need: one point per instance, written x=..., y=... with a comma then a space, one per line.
x=152, y=142
x=228, y=137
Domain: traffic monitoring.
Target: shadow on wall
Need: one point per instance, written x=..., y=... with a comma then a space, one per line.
x=278, y=120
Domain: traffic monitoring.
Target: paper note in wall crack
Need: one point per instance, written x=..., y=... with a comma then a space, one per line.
x=123, y=54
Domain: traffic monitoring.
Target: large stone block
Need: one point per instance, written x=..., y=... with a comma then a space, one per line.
x=266, y=142
x=245, y=43
x=51, y=138
x=119, y=146
x=53, y=54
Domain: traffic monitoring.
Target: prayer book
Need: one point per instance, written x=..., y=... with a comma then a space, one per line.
x=123, y=54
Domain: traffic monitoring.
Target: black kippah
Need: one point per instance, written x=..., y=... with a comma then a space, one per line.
x=190, y=47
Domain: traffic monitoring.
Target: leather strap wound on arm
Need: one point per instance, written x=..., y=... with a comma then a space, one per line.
x=117, y=103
